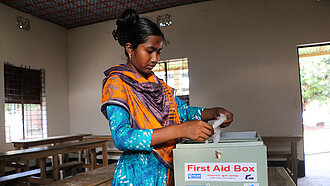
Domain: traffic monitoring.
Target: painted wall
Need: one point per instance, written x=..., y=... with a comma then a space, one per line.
x=242, y=56
x=44, y=46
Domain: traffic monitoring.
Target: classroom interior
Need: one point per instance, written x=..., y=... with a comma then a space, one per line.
x=242, y=56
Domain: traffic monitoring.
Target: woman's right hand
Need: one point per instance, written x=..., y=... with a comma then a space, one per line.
x=196, y=130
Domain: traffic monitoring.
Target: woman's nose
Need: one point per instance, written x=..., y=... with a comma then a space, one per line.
x=154, y=57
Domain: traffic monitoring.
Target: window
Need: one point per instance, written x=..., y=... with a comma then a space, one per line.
x=175, y=73
x=25, y=103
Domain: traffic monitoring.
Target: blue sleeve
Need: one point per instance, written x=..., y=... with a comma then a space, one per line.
x=124, y=137
x=188, y=113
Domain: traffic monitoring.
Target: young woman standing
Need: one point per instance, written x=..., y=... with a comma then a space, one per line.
x=146, y=119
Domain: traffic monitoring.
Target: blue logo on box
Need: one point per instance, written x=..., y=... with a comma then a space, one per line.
x=194, y=176
x=251, y=184
x=249, y=177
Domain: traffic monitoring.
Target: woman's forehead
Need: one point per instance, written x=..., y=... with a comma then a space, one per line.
x=154, y=40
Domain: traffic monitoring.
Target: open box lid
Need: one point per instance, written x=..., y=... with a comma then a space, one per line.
x=246, y=138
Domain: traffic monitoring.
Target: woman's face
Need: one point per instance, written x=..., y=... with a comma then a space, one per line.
x=145, y=56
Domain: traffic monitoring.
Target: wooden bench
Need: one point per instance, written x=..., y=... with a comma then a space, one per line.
x=54, y=140
x=28, y=175
x=281, y=155
x=115, y=152
x=277, y=176
x=109, y=139
x=111, y=152
x=41, y=153
x=290, y=156
x=100, y=177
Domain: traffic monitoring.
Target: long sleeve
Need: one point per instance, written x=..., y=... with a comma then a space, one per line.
x=188, y=113
x=126, y=138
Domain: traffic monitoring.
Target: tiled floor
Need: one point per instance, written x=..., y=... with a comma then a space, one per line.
x=316, y=145
x=317, y=168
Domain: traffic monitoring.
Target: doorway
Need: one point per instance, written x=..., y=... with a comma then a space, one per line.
x=314, y=65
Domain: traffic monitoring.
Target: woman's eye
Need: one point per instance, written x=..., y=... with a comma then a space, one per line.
x=149, y=51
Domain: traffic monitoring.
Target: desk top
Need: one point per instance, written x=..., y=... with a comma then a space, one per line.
x=94, y=177
x=281, y=138
x=99, y=137
x=26, y=154
x=43, y=141
x=278, y=176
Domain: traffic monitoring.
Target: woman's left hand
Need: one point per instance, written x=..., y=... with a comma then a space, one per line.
x=214, y=113
x=228, y=114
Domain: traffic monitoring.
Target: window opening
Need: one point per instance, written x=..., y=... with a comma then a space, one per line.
x=175, y=73
x=25, y=102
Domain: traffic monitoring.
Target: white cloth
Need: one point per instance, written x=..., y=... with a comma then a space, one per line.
x=217, y=129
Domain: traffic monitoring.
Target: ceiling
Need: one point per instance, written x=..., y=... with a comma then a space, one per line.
x=75, y=13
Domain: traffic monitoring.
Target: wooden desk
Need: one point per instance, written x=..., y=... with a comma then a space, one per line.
x=293, y=140
x=99, y=137
x=100, y=177
x=24, y=144
x=114, y=152
x=41, y=153
x=277, y=176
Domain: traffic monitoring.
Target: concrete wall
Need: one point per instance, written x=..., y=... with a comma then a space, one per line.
x=242, y=56
x=44, y=46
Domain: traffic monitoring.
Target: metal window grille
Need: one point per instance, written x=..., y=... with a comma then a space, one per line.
x=25, y=102
x=175, y=73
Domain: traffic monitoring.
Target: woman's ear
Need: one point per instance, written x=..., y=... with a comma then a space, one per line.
x=129, y=48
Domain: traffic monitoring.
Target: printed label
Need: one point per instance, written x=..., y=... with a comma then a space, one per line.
x=223, y=172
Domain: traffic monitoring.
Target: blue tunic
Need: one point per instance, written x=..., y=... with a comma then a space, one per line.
x=138, y=165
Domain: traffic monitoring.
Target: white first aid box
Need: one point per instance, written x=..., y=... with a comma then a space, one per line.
x=239, y=159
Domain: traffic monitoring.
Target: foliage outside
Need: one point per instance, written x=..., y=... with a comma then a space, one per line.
x=315, y=81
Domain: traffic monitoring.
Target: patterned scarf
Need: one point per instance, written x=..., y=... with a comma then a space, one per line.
x=150, y=103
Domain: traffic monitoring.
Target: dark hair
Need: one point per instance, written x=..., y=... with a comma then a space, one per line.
x=133, y=29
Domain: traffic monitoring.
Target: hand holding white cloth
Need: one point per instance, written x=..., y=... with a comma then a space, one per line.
x=216, y=126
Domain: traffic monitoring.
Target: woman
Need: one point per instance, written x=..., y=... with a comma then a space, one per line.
x=146, y=118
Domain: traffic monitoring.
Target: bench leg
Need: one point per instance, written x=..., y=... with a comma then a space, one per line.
x=24, y=182
x=105, y=154
x=87, y=160
x=42, y=164
x=61, y=162
x=2, y=168
x=55, y=168
x=74, y=171
x=294, y=161
x=93, y=158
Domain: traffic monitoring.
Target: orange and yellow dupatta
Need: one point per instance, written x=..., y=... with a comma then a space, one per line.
x=150, y=103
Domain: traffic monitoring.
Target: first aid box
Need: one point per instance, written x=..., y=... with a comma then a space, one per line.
x=238, y=159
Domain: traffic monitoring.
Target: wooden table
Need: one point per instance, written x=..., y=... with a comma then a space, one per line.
x=24, y=144
x=99, y=137
x=101, y=177
x=277, y=176
x=293, y=140
x=54, y=140
x=41, y=153
x=114, y=152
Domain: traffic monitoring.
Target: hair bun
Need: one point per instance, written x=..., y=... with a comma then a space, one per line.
x=126, y=21
x=128, y=18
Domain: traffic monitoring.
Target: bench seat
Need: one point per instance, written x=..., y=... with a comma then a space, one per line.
x=26, y=174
